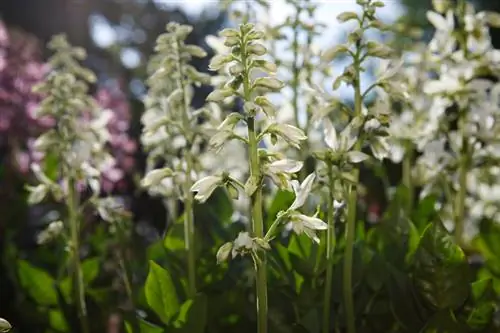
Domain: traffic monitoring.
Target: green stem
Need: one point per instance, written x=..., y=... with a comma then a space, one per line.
x=351, y=216
x=330, y=247
x=77, y=276
x=407, y=179
x=189, y=230
x=256, y=206
x=189, y=233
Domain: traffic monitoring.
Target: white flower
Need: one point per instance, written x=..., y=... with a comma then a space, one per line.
x=286, y=166
x=289, y=133
x=224, y=252
x=302, y=191
x=205, y=187
x=154, y=177
x=344, y=143
x=242, y=243
x=307, y=224
x=37, y=193
x=280, y=172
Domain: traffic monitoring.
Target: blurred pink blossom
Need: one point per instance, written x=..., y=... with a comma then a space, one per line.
x=21, y=67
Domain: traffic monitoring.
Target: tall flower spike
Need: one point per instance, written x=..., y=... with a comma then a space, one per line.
x=78, y=143
x=244, y=59
x=171, y=125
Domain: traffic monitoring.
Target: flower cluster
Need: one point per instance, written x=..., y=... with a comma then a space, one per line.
x=21, y=68
x=78, y=139
x=241, y=61
x=460, y=106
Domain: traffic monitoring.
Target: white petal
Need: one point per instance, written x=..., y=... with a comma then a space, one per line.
x=313, y=223
x=330, y=135
x=438, y=21
x=303, y=193
x=287, y=166
x=205, y=187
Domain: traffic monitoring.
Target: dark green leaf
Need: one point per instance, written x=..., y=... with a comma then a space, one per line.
x=145, y=327
x=444, y=322
x=192, y=317
x=441, y=271
x=90, y=269
x=160, y=292
x=37, y=283
x=57, y=321
x=311, y=321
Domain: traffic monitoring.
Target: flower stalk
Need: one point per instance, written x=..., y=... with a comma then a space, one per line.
x=256, y=202
x=330, y=248
x=72, y=204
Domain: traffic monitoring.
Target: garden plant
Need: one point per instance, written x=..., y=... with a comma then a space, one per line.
x=267, y=228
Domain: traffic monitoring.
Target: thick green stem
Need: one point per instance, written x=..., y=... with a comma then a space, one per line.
x=189, y=234
x=351, y=217
x=258, y=230
x=330, y=247
x=256, y=207
x=189, y=230
x=407, y=179
x=77, y=274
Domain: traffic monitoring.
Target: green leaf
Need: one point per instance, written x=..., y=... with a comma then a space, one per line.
x=192, y=317
x=57, y=321
x=90, y=269
x=403, y=304
x=37, y=283
x=311, y=321
x=144, y=327
x=444, y=322
x=483, y=306
x=281, y=201
x=51, y=165
x=160, y=292
x=441, y=271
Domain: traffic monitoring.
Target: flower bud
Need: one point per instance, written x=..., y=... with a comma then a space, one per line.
x=269, y=83
x=333, y=52
x=224, y=253
x=231, y=41
x=266, y=106
x=154, y=177
x=257, y=49
x=219, y=95
x=195, y=51
x=5, y=326
x=236, y=69
x=347, y=16
x=228, y=33
x=218, y=62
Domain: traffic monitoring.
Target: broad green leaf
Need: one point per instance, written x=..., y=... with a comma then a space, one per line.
x=144, y=327
x=481, y=315
x=424, y=212
x=483, y=306
x=281, y=201
x=403, y=305
x=90, y=269
x=192, y=317
x=441, y=272
x=57, y=321
x=444, y=322
x=37, y=283
x=160, y=292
